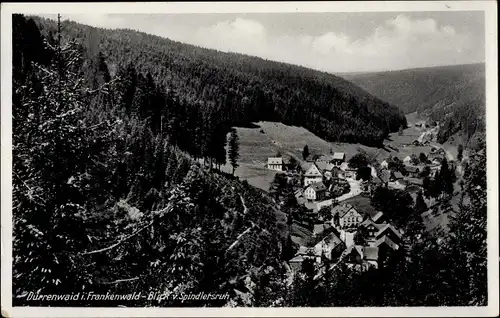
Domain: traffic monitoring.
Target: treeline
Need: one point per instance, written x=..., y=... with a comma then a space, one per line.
x=105, y=201
x=242, y=89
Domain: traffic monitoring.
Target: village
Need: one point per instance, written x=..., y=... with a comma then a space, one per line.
x=329, y=187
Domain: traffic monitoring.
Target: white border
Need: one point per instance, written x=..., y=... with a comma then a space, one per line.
x=489, y=7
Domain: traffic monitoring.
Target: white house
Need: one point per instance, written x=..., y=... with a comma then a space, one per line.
x=275, y=163
x=329, y=245
x=338, y=158
x=315, y=191
x=350, y=173
x=347, y=216
x=407, y=160
x=312, y=175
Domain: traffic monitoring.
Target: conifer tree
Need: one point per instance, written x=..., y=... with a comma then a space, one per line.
x=305, y=152
x=56, y=177
x=233, y=151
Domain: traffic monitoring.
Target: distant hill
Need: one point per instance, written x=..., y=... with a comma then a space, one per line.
x=252, y=88
x=453, y=95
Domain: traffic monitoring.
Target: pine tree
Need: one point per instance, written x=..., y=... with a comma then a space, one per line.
x=305, y=152
x=58, y=181
x=420, y=205
x=233, y=151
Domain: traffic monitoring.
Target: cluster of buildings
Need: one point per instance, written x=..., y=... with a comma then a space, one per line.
x=335, y=240
x=326, y=167
x=414, y=168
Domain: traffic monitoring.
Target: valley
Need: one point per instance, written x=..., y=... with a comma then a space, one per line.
x=149, y=164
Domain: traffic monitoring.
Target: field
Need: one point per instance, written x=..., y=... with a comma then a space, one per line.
x=257, y=146
x=267, y=138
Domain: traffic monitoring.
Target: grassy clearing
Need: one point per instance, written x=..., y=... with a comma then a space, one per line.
x=300, y=234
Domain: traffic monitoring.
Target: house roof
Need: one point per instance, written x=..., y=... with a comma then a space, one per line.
x=332, y=238
x=318, y=186
x=398, y=175
x=327, y=244
x=308, y=173
x=385, y=175
x=297, y=259
x=342, y=209
x=325, y=158
x=370, y=253
x=386, y=240
x=357, y=248
x=388, y=227
x=412, y=169
x=324, y=166
x=275, y=160
x=403, y=182
x=339, y=156
x=377, y=216
x=416, y=181
x=306, y=165
x=371, y=221
x=407, y=158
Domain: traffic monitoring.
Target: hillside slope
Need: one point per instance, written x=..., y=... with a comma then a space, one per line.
x=252, y=88
x=453, y=95
x=103, y=204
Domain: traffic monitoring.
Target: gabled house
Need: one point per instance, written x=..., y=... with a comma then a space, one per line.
x=315, y=191
x=386, y=242
x=354, y=254
x=331, y=246
x=389, y=231
x=371, y=227
x=312, y=175
x=275, y=163
x=325, y=168
x=338, y=158
x=347, y=216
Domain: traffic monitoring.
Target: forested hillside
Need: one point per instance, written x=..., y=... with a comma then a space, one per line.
x=103, y=201
x=452, y=95
x=242, y=89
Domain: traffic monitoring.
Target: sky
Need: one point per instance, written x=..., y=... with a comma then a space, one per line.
x=333, y=42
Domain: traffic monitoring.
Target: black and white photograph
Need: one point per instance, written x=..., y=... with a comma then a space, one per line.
x=302, y=159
